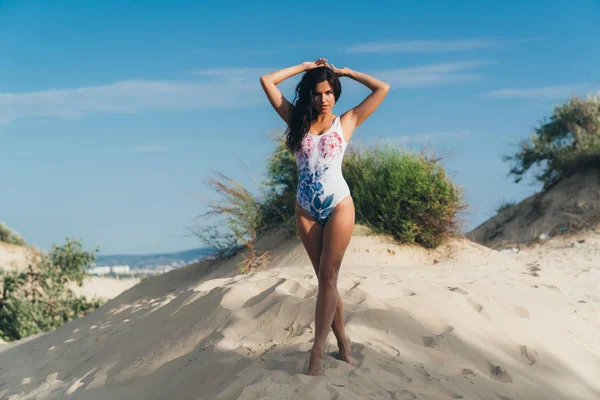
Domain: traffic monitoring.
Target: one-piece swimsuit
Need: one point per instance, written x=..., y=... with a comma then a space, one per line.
x=321, y=185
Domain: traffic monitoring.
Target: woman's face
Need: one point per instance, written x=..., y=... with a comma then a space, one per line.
x=323, y=97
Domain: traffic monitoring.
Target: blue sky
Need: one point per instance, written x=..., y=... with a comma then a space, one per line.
x=112, y=113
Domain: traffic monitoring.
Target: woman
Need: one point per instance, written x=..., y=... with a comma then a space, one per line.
x=324, y=207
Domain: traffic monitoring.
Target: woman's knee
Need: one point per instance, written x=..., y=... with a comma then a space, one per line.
x=328, y=277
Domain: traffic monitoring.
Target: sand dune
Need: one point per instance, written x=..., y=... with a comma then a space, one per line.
x=572, y=205
x=14, y=257
x=460, y=322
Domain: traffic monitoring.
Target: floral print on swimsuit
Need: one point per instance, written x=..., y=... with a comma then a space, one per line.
x=314, y=161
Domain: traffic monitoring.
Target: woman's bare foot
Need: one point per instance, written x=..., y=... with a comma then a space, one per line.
x=345, y=351
x=315, y=364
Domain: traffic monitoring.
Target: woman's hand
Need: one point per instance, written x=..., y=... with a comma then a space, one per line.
x=321, y=62
x=340, y=71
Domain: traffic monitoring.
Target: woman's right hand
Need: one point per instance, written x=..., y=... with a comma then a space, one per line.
x=321, y=62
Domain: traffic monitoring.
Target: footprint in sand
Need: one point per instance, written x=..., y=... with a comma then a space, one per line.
x=433, y=341
x=530, y=356
x=395, y=370
x=400, y=301
x=476, y=306
x=457, y=290
x=422, y=373
x=499, y=374
x=519, y=311
x=355, y=295
x=533, y=269
x=552, y=287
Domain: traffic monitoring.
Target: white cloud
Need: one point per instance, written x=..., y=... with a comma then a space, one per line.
x=209, y=88
x=150, y=148
x=428, y=75
x=422, y=46
x=548, y=92
x=229, y=88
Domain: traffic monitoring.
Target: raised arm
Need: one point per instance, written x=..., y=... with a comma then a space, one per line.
x=270, y=81
x=357, y=115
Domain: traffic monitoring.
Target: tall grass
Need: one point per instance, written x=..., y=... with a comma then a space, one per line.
x=234, y=222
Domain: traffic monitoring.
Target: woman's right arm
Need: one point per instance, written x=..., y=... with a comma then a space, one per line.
x=270, y=81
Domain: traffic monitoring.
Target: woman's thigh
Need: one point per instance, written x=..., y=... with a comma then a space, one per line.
x=311, y=235
x=336, y=237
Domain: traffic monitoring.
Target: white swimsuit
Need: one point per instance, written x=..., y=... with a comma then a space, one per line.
x=321, y=185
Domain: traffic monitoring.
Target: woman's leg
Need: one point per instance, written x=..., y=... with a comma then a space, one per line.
x=336, y=237
x=311, y=234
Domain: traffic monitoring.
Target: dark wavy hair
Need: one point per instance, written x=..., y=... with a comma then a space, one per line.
x=303, y=112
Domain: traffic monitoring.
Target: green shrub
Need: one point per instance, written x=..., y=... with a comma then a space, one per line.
x=566, y=143
x=69, y=259
x=400, y=193
x=7, y=235
x=39, y=299
x=405, y=194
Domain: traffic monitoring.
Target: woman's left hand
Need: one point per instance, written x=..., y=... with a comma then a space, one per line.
x=340, y=71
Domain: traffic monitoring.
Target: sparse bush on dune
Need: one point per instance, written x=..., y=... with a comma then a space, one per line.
x=396, y=192
x=238, y=218
x=405, y=194
x=39, y=299
x=567, y=143
x=7, y=235
x=233, y=222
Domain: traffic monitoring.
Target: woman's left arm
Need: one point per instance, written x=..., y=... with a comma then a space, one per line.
x=357, y=115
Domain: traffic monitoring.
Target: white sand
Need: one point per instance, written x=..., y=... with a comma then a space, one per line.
x=17, y=258
x=105, y=287
x=461, y=322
